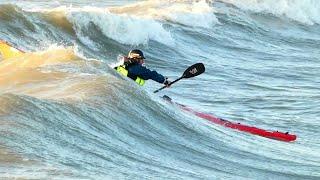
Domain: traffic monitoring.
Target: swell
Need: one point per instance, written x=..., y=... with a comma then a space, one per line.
x=91, y=26
x=305, y=11
x=86, y=139
x=128, y=27
x=80, y=117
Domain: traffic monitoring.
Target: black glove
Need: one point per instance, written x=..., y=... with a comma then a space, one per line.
x=167, y=82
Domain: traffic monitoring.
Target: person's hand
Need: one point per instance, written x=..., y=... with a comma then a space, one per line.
x=167, y=82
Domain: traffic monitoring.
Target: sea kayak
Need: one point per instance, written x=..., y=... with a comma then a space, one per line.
x=281, y=136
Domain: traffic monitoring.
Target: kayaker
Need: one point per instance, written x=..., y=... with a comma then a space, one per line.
x=133, y=67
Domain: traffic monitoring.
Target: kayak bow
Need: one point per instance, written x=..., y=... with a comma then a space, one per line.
x=7, y=51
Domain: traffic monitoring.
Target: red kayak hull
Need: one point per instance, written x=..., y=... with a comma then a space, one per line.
x=281, y=136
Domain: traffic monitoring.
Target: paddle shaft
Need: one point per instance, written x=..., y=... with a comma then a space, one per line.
x=168, y=84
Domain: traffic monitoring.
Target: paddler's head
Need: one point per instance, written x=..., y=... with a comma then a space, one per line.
x=137, y=56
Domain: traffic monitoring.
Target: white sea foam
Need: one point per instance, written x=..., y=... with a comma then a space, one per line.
x=190, y=13
x=304, y=11
x=125, y=29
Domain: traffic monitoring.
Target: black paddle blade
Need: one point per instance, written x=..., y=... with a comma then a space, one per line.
x=194, y=70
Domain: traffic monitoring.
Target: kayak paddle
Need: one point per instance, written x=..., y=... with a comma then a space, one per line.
x=192, y=71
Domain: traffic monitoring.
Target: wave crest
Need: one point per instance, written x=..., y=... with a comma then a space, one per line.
x=194, y=13
x=304, y=11
x=125, y=29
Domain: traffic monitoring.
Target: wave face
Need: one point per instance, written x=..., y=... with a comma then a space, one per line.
x=66, y=114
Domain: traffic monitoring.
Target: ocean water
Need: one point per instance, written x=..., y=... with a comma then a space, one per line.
x=66, y=114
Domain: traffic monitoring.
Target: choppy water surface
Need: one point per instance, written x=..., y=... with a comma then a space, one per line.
x=65, y=113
